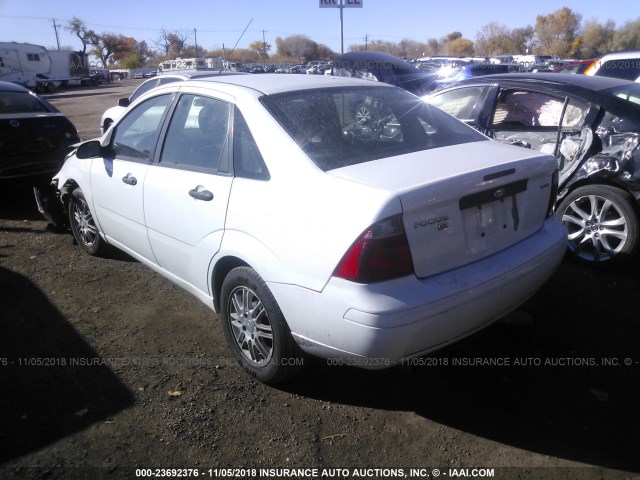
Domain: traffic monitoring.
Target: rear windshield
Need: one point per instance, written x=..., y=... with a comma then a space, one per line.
x=338, y=127
x=18, y=102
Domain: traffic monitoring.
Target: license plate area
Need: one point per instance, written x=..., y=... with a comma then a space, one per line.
x=491, y=216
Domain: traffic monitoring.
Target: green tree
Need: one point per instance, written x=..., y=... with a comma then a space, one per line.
x=494, y=39
x=106, y=45
x=462, y=47
x=261, y=47
x=597, y=38
x=297, y=46
x=557, y=33
x=522, y=40
x=627, y=37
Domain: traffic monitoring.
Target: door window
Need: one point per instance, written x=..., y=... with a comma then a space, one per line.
x=135, y=136
x=197, y=135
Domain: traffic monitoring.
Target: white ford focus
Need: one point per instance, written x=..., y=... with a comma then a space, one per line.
x=311, y=231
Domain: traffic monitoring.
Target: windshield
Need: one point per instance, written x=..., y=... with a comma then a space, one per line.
x=631, y=93
x=338, y=127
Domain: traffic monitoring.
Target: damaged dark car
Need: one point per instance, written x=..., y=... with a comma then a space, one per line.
x=591, y=125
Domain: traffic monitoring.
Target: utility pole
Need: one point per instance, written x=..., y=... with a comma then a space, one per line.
x=341, y=29
x=264, y=50
x=366, y=42
x=55, y=29
x=195, y=36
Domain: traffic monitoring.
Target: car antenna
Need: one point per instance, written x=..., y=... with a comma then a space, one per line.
x=240, y=38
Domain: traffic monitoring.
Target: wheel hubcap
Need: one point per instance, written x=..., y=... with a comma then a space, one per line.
x=84, y=224
x=363, y=115
x=597, y=228
x=250, y=326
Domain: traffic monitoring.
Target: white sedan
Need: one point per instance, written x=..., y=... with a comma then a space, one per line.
x=312, y=233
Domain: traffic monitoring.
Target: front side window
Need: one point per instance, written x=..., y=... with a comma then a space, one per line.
x=135, y=136
x=335, y=130
x=197, y=135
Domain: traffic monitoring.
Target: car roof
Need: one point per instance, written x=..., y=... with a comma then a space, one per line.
x=562, y=80
x=12, y=87
x=271, y=83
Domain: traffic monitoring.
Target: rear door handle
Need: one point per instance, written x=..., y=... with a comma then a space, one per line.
x=205, y=195
x=130, y=180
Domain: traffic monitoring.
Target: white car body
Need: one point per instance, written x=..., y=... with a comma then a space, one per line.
x=472, y=264
x=623, y=64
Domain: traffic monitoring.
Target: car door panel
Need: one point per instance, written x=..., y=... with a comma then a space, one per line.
x=117, y=182
x=117, y=193
x=185, y=195
x=184, y=230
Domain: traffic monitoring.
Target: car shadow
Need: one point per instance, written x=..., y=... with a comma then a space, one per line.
x=17, y=202
x=550, y=378
x=53, y=383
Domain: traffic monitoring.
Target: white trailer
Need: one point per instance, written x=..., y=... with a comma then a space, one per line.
x=67, y=68
x=39, y=69
x=23, y=63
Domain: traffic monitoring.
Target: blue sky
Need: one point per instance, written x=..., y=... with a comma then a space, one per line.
x=220, y=23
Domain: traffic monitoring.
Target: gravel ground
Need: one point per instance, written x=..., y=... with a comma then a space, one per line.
x=105, y=368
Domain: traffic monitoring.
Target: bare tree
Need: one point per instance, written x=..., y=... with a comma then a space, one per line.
x=80, y=30
x=165, y=42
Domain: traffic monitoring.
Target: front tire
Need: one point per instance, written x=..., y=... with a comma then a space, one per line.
x=83, y=226
x=255, y=328
x=602, y=224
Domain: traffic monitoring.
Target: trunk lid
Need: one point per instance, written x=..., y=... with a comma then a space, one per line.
x=464, y=202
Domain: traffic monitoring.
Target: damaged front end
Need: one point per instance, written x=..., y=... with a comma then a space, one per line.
x=50, y=205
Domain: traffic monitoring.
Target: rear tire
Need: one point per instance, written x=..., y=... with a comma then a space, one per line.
x=255, y=329
x=602, y=224
x=83, y=226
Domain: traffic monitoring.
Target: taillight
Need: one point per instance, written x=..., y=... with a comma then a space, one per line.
x=380, y=253
x=553, y=194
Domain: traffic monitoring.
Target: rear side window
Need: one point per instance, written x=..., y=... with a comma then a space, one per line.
x=338, y=127
x=197, y=135
x=627, y=69
x=525, y=109
x=247, y=160
x=17, y=102
x=459, y=103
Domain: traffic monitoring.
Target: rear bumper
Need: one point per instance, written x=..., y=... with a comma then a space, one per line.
x=378, y=325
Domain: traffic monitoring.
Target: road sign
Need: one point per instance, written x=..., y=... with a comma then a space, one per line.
x=341, y=3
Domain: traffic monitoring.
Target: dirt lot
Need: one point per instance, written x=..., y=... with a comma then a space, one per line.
x=106, y=367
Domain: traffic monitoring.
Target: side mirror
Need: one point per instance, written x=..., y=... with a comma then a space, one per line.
x=123, y=102
x=89, y=149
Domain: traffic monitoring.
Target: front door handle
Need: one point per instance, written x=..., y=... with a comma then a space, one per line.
x=130, y=180
x=205, y=195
